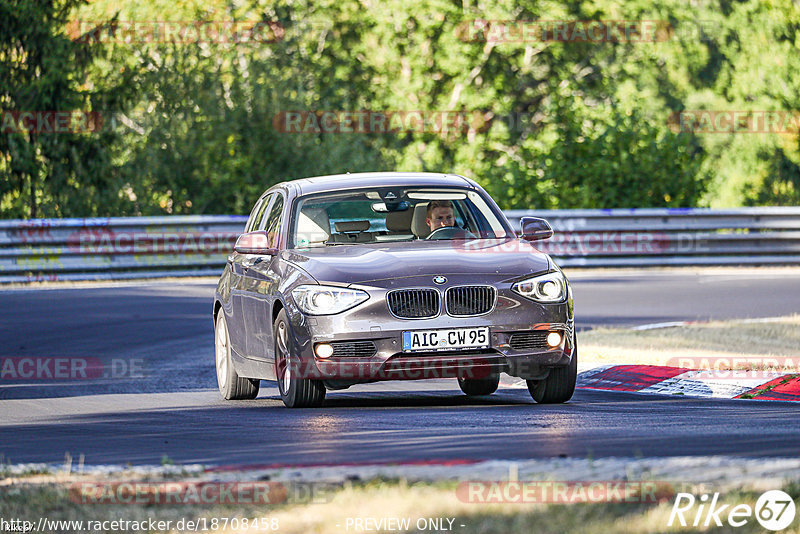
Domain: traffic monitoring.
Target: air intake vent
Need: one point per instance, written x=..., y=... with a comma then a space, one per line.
x=353, y=349
x=530, y=340
x=470, y=300
x=414, y=303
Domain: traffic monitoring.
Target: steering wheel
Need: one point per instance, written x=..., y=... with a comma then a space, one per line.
x=450, y=232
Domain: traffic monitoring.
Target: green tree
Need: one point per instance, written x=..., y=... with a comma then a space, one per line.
x=570, y=124
x=780, y=185
x=190, y=127
x=42, y=70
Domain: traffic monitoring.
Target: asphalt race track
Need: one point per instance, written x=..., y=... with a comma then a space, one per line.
x=161, y=333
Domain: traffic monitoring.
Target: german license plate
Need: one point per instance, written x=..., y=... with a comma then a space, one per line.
x=446, y=339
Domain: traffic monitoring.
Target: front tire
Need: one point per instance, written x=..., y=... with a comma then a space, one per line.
x=231, y=385
x=296, y=392
x=559, y=385
x=475, y=387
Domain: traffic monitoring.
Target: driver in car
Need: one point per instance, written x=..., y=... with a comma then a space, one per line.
x=440, y=214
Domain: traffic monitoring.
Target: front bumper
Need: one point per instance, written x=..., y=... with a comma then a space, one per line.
x=373, y=322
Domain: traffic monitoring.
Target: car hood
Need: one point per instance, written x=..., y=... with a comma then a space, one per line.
x=357, y=263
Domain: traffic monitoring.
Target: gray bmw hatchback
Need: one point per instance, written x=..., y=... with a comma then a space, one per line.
x=348, y=279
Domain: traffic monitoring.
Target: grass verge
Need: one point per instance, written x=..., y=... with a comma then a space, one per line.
x=772, y=344
x=424, y=506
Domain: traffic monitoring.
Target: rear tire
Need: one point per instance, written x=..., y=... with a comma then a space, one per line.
x=231, y=385
x=475, y=387
x=296, y=392
x=559, y=385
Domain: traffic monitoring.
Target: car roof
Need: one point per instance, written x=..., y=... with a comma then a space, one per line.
x=336, y=182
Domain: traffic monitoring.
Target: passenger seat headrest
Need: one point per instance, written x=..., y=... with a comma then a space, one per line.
x=399, y=221
x=419, y=226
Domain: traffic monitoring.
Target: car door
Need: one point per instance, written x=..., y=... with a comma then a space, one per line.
x=237, y=324
x=262, y=279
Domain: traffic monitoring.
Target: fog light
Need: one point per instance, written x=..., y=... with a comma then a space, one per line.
x=324, y=350
x=554, y=339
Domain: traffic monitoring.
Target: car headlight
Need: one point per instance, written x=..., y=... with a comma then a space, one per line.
x=327, y=300
x=546, y=288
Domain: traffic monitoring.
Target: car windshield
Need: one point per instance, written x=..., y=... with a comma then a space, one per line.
x=392, y=214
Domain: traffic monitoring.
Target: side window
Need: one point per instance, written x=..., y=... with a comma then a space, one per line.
x=458, y=213
x=273, y=222
x=249, y=226
x=260, y=214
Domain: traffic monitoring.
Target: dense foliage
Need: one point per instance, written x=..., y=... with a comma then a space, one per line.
x=197, y=125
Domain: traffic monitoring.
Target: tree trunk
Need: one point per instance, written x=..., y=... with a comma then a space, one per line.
x=33, y=196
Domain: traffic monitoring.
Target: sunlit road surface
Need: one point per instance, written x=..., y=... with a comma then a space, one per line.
x=169, y=404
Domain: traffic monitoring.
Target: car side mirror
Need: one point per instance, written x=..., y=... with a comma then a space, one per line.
x=254, y=243
x=535, y=229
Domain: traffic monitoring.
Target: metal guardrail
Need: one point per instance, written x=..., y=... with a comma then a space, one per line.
x=671, y=236
x=116, y=248
x=149, y=247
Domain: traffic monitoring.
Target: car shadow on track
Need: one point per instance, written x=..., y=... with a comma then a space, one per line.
x=399, y=399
